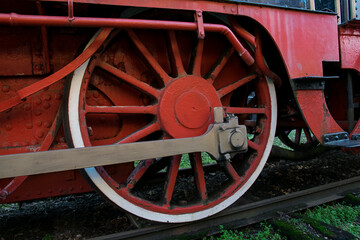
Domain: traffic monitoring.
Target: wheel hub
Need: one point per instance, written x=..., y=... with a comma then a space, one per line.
x=186, y=106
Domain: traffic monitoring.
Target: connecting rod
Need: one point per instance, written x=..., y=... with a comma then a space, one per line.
x=222, y=140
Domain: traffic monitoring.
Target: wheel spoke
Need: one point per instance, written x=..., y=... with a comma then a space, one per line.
x=219, y=65
x=231, y=171
x=137, y=173
x=297, y=135
x=196, y=164
x=250, y=123
x=175, y=56
x=308, y=135
x=129, y=79
x=245, y=110
x=172, y=173
x=149, y=57
x=231, y=87
x=253, y=145
x=196, y=59
x=151, y=128
x=122, y=109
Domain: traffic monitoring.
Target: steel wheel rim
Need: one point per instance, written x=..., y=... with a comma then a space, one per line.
x=155, y=212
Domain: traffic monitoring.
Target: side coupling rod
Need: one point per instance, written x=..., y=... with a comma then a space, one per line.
x=221, y=141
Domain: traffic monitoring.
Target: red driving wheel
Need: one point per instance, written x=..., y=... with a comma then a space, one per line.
x=148, y=85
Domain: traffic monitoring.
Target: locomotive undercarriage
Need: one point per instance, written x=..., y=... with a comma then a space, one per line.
x=148, y=80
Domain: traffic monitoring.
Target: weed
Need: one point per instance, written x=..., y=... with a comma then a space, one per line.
x=341, y=216
x=266, y=233
x=48, y=237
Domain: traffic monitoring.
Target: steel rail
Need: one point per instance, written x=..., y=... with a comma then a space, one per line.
x=240, y=216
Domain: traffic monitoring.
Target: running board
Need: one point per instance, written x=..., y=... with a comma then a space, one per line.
x=222, y=140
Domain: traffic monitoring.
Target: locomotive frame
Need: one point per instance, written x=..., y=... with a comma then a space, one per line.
x=175, y=100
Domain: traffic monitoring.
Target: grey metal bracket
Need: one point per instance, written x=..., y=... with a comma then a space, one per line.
x=311, y=83
x=355, y=136
x=340, y=139
x=222, y=138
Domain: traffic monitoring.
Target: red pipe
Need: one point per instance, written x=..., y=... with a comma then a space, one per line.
x=256, y=42
x=33, y=20
x=241, y=31
x=260, y=62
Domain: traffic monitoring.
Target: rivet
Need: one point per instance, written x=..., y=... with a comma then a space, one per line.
x=8, y=127
x=47, y=124
x=6, y=88
x=38, y=67
x=38, y=101
x=233, y=9
x=38, y=123
x=29, y=125
x=46, y=105
x=58, y=96
x=37, y=112
x=46, y=97
x=27, y=106
x=39, y=133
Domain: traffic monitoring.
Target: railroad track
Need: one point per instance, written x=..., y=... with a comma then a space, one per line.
x=246, y=214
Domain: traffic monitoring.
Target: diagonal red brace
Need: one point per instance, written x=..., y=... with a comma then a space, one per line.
x=33, y=88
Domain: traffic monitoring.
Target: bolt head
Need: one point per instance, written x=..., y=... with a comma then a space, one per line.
x=237, y=140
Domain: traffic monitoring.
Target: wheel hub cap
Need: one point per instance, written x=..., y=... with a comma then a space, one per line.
x=186, y=107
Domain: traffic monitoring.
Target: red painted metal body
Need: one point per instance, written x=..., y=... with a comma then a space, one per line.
x=42, y=43
x=350, y=45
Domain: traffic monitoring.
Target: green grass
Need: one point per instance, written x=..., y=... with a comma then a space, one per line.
x=341, y=216
x=266, y=233
x=279, y=143
x=185, y=161
x=48, y=237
